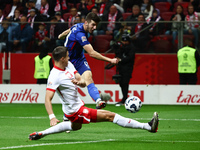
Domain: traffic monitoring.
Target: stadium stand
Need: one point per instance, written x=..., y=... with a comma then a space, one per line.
x=167, y=15
x=71, y=5
x=102, y=43
x=77, y=5
x=66, y=15
x=125, y=15
x=163, y=6
x=162, y=44
x=184, y=4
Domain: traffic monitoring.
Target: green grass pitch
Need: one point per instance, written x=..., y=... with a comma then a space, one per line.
x=179, y=129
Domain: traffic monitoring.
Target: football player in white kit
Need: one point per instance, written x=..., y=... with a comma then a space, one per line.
x=64, y=80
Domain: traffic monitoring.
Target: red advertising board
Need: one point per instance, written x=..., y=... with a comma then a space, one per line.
x=1, y=67
x=151, y=94
x=148, y=69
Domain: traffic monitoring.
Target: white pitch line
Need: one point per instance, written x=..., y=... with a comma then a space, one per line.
x=168, y=119
x=163, y=141
x=64, y=143
x=181, y=119
x=81, y=142
x=133, y=118
x=23, y=117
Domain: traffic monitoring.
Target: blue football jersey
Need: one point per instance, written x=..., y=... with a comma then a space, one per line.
x=75, y=40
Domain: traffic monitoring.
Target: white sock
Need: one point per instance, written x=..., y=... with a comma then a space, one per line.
x=61, y=127
x=130, y=123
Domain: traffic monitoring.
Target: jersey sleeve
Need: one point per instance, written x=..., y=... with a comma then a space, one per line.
x=53, y=82
x=82, y=39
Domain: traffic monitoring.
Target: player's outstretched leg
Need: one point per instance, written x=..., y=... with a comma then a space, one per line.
x=100, y=99
x=35, y=136
x=154, y=123
x=151, y=126
x=61, y=127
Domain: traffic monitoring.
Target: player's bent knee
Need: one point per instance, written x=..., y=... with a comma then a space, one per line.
x=87, y=75
x=76, y=126
x=104, y=115
x=110, y=116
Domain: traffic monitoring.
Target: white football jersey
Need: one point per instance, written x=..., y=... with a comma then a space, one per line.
x=59, y=80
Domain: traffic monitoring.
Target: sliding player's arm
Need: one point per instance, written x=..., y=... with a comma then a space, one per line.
x=89, y=49
x=79, y=80
x=64, y=34
x=48, y=97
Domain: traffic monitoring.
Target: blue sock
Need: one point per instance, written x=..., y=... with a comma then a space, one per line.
x=93, y=91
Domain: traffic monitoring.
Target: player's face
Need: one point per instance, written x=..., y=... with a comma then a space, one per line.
x=91, y=26
x=66, y=59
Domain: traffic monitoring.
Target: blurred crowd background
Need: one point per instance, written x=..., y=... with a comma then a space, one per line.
x=28, y=26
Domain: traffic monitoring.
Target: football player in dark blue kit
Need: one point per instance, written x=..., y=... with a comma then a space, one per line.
x=76, y=40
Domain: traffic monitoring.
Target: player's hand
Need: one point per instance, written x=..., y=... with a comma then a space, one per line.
x=119, y=59
x=114, y=61
x=80, y=83
x=54, y=122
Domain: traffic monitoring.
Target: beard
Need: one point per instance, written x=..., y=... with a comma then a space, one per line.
x=89, y=30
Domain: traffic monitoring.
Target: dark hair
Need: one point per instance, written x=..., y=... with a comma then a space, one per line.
x=59, y=52
x=92, y=16
x=23, y=16
x=94, y=8
x=190, y=5
x=181, y=8
x=141, y=15
x=149, y=5
x=53, y=18
x=18, y=10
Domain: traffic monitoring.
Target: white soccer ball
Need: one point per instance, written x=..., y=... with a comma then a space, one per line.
x=133, y=104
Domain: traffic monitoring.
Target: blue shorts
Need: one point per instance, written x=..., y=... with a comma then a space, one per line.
x=81, y=65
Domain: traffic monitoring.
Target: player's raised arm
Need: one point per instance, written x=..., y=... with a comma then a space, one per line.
x=64, y=34
x=48, y=97
x=89, y=49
